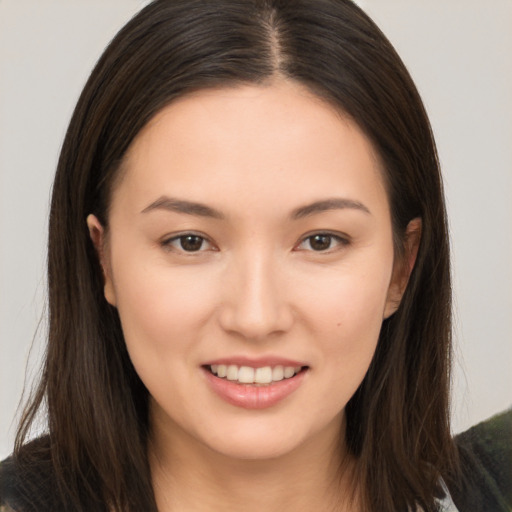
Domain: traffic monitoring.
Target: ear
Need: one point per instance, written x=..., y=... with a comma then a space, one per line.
x=403, y=267
x=98, y=237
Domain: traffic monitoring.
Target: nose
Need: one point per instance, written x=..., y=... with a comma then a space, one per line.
x=255, y=306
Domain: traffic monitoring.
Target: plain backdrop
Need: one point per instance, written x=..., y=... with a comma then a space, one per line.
x=458, y=52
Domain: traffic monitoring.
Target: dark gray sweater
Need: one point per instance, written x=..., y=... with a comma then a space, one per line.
x=485, y=451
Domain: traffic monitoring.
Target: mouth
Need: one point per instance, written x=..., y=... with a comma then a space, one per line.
x=255, y=385
x=260, y=376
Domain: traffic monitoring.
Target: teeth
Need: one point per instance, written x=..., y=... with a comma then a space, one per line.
x=249, y=375
x=263, y=375
x=289, y=371
x=232, y=372
x=277, y=373
x=246, y=375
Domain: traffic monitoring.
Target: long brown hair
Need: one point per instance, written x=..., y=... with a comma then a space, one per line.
x=398, y=420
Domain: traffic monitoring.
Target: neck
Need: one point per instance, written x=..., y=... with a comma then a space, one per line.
x=188, y=475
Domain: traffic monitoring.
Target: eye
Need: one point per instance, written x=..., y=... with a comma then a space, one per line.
x=188, y=242
x=322, y=242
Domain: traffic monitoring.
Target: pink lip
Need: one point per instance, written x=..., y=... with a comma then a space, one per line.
x=257, y=362
x=250, y=396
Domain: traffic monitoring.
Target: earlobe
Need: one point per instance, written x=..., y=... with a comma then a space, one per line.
x=97, y=234
x=403, y=268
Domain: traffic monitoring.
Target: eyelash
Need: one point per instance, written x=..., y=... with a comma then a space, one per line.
x=180, y=239
x=341, y=241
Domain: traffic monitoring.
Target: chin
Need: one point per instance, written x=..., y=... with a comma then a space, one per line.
x=257, y=448
x=259, y=439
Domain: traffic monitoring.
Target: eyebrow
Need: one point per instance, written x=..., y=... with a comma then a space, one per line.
x=202, y=210
x=182, y=206
x=324, y=205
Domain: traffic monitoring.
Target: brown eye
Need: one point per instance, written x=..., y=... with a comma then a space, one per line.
x=320, y=242
x=191, y=243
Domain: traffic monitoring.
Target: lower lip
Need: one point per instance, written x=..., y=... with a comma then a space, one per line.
x=250, y=396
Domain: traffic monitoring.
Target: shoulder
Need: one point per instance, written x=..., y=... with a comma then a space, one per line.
x=8, y=501
x=29, y=483
x=486, y=462
x=29, y=486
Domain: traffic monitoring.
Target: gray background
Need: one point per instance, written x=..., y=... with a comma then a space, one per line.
x=459, y=53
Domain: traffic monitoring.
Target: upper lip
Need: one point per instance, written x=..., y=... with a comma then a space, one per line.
x=256, y=362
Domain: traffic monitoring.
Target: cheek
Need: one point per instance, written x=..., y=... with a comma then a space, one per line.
x=161, y=310
x=163, y=315
x=346, y=316
x=349, y=300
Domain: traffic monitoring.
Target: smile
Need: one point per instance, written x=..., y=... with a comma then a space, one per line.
x=262, y=385
x=249, y=375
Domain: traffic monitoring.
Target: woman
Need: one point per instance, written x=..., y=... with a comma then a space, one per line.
x=248, y=274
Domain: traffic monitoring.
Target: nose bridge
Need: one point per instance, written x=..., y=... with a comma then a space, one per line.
x=255, y=304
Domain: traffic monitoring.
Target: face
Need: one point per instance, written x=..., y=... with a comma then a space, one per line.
x=249, y=254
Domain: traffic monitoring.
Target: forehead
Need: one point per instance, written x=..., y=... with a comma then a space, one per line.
x=277, y=142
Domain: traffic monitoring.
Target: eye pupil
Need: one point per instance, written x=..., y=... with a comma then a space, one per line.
x=191, y=242
x=320, y=242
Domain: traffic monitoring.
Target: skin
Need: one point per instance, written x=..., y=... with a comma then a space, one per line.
x=257, y=287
